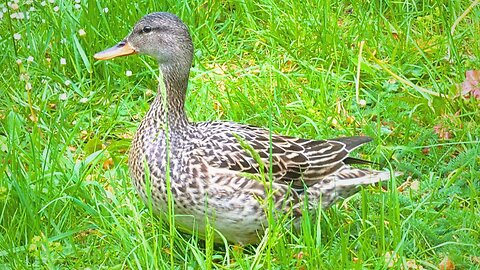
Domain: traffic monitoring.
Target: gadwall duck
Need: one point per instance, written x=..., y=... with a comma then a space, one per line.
x=225, y=171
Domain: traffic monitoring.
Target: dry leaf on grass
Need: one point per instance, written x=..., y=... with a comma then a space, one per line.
x=412, y=264
x=391, y=258
x=471, y=85
x=442, y=132
x=446, y=264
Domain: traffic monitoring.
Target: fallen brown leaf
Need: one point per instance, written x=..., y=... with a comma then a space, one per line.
x=412, y=264
x=108, y=164
x=426, y=150
x=446, y=264
x=471, y=85
x=442, y=132
x=391, y=258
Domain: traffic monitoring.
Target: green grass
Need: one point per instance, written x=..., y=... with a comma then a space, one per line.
x=66, y=200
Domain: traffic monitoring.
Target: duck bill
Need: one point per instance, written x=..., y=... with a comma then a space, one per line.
x=121, y=49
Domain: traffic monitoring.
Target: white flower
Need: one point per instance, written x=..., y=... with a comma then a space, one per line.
x=105, y=10
x=78, y=6
x=362, y=102
x=78, y=1
x=32, y=9
x=17, y=36
x=67, y=82
x=63, y=61
x=63, y=96
x=43, y=3
x=56, y=9
x=128, y=73
x=83, y=100
x=19, y=62
x=51, y=1
x=82, y=32
x=30, y=59
x=14, y=6
x=28, y=86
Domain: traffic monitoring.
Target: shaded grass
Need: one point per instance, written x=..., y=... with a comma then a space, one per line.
x=65, y=194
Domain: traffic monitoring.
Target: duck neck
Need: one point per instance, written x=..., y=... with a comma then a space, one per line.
x=168, y=106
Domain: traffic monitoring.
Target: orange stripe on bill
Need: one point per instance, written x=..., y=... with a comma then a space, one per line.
x=121, y=49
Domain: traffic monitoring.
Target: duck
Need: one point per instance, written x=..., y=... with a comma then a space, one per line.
x=224, y=173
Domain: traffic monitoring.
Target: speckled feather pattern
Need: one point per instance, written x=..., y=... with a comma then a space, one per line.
x=211, y=174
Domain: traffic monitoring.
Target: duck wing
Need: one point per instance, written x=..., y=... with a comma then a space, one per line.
x=293, y=161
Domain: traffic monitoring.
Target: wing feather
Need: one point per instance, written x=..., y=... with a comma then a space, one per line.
x=297, y=162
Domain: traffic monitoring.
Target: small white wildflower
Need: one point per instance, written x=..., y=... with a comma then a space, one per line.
x=13, y=15
x=1, y=15
x=77, y=6
x=78, y=1
x=29, y=2
x=30, y=59
x=19, y=61
x=83, y=100
x=63, y=61
x=149, y=93
x=56, y=9
x=14, y=6
x=74, y=122
x=17, y=36
x=4, y=10
x=43, y=3
x=43, y=21
x=82, y=32
x=28, y=86
x=67, y=82
x=362, y=102
x=32, y=9
x=63, y=40
x=24, y=77
x=128, y=73
x=51, y=1
x=63, y=96
x=105, y=10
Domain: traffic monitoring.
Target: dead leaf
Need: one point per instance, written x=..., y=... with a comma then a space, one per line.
x=395, y=35
x=391, y=258
x=412, y=264
x=471, y=85
x=404, y=185
x=415, y=185
x=446, y=264
x=442, y=132
x=298, y=255
x=426, y=150
x=108, y=164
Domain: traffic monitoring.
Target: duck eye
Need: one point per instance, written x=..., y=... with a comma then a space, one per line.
x=147, y=29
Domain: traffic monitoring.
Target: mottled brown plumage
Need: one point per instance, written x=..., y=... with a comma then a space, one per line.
x=211, y=169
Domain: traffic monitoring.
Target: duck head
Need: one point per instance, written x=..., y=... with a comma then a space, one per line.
x=160, y=35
